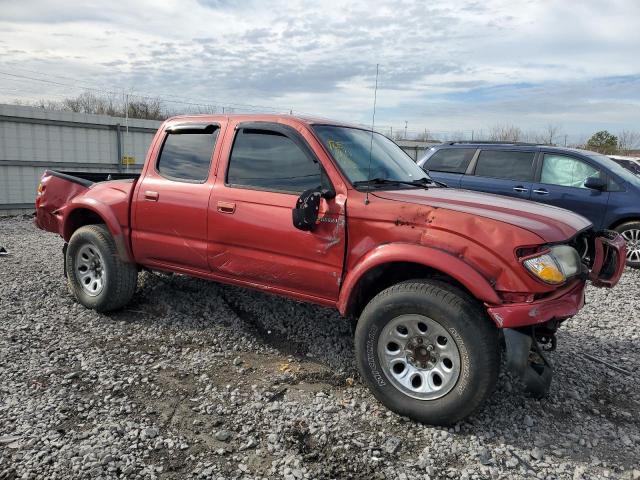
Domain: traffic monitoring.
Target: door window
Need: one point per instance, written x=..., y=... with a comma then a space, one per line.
x=508, y=165
x=187, y=156
x=451, y=160
x=269, y=160
x=566, y=171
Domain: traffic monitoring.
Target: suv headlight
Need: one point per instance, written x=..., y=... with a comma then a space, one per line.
x=556, y=265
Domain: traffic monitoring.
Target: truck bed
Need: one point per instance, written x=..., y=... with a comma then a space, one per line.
x=58, y=189
x=87, y=179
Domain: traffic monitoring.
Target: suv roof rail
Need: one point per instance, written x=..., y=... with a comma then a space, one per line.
x=489, y=142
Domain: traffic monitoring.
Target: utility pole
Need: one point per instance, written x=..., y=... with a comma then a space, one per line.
x=405, y=129
x=126, y=123
x=472, y=135
x=391, y=133
x=565, y=140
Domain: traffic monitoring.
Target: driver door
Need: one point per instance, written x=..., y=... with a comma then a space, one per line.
x=251, y=234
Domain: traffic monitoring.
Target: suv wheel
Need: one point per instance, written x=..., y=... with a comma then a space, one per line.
x=95, y=274
x=427, y=351
x=630, y=231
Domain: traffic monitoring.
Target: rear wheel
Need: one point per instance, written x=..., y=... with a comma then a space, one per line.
x=428, y=352
x=96, y=275
x=630, y=231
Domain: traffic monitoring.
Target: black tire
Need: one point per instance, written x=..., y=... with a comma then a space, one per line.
x=475, y=336
x=630, y=231
x=120, y=278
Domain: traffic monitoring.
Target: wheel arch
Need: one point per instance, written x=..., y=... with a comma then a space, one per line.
x=394, y=263
x=91, y=212
x=623, y=220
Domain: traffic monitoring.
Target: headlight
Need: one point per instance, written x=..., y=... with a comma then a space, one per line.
x=554, y=267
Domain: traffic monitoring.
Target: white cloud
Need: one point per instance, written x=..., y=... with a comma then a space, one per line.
x=447, y=66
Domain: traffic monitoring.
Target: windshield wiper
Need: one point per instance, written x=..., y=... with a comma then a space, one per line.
x=421, y=182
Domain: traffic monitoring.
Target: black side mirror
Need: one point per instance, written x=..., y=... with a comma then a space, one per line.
x=305, y=214
x=595, y=183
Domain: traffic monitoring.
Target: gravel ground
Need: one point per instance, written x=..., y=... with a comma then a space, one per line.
x=199, y=380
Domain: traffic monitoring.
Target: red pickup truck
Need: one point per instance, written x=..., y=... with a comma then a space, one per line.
x=441, y=280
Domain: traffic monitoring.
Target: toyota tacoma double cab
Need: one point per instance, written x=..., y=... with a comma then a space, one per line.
x=441, y=281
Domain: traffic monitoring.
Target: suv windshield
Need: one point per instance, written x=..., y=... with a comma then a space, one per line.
x=351, y=148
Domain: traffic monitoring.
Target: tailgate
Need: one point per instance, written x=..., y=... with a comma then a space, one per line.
x=54, y=192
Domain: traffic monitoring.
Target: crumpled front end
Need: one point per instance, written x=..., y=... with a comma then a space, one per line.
x=610, y=253
x=606, y=253
x=527, y=325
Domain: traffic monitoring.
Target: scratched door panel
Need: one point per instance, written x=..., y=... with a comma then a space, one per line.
x=258, y=242
x=172, y=229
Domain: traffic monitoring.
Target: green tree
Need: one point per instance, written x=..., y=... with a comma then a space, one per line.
x=603, y=142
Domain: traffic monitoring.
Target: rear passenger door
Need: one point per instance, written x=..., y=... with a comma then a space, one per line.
x=449, y=164
x=561, y=184
x=502, y=171
x=171, y=200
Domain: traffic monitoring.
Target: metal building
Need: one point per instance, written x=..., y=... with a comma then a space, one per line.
x=33, y=139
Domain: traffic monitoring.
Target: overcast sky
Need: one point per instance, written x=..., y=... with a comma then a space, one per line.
x=444, y=66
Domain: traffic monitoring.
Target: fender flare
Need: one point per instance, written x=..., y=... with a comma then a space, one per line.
x=106, y=214
x=434, y=258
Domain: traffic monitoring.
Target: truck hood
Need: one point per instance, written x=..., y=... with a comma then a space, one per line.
x=551, y=224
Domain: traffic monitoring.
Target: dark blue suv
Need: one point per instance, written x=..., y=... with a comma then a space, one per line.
x=586, y=182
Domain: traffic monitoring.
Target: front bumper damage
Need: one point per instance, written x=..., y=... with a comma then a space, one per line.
x=525, y=324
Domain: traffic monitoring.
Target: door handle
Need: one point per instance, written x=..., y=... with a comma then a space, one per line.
x=226, y=207
x=541, y=191
x=151, y=196
x=520, y=189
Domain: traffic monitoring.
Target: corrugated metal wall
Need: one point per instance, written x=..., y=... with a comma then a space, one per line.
x=32, y=140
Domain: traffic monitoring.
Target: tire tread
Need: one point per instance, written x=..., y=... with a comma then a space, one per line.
x=486, y=344
x=123, y=278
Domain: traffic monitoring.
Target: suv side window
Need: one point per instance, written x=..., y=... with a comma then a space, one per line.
x=451, y=160
x=269, y=160
x=566, y=171
x=187, y=156
x=505, y=164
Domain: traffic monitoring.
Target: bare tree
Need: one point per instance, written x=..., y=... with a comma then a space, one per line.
x=457, y=135
x=533, y=137
x=551, y=133
x=505, y=133
x=628, y=140
x=112, y=105
x=423, y=136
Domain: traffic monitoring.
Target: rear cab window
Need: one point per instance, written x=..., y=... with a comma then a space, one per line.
x=450, y=160
x=505, y=164
x=186, y=156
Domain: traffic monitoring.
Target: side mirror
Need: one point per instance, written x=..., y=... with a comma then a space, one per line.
x=595, y=183
x=305, y=214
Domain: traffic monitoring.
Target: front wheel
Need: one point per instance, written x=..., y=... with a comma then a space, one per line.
x=96, y=275
x=630, y=231
x=427, y=351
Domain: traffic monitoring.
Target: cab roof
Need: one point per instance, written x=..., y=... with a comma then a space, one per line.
x=251, y=117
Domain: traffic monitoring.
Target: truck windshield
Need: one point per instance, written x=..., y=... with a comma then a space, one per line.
x=350, y=149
